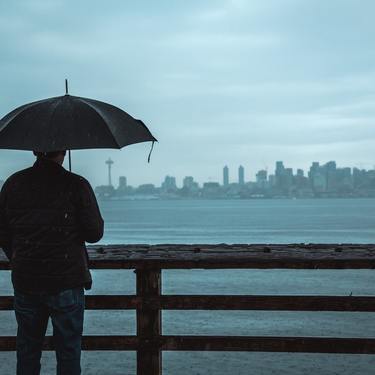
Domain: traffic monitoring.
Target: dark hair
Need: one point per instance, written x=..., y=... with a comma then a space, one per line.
x=49, y=155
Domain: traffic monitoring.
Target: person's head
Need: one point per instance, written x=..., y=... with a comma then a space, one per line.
x=56, y=156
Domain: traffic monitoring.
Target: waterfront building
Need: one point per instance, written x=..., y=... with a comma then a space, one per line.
x=313, y=170
x=287, y=180
x=189, y=187
x=301, y=182
x=279, y=171
x=329, y=169
x=317, y=177
x=319, y=182
x=169, y=184
x=122, y=182
x=241, y=175
x=105, y=191
x=283, y=179
x=211, y=190
x=123, y=188
x=279, y=168
x=188, y=182
x=359, y=178
x=226, y=176
x=272, y=180
x=261, y=179
x=344, y=180
x=146, y=189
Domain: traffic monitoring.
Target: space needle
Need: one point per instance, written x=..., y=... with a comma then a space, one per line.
x=109, y=162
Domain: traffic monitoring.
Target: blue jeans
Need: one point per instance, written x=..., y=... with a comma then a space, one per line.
x=32, y=311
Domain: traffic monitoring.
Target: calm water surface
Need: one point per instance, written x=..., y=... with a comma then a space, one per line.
x=240, y=221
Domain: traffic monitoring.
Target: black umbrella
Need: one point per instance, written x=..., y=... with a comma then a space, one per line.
x=70, y=123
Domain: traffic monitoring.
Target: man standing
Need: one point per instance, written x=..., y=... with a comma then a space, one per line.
x=46, y=216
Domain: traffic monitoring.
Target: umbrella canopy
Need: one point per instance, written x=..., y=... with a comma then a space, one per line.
x=69, y=123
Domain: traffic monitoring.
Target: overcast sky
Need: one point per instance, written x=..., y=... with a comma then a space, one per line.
x=217, y=82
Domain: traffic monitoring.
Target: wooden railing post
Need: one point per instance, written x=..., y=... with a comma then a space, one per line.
x=149, y=355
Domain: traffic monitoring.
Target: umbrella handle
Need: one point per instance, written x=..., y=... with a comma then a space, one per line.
x=70, y=161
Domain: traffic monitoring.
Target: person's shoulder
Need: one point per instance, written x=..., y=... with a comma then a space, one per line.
x=18, y=176
x=21, y=173
x=78, y=179
x=81, y=188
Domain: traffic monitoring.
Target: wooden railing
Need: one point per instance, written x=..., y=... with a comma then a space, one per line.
x=149, y=261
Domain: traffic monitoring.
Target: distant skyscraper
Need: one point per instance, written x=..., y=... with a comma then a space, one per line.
x=188, y=182
x=225, y=176
x=331, y=175
x=190, y=187
x=288, y=178
x=261, y=179
x=314, y=169
x=279, y=174
x=109, y=162
x=279, y=168
x=169, y=184
x=122, y=183
x=241, y=175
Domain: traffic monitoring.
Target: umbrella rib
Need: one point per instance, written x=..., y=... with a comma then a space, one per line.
x=99, y=114
x=53, y=115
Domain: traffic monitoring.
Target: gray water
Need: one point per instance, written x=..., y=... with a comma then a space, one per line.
x=254, y=221
x=240, y=221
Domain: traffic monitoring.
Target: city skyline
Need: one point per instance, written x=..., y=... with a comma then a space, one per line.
x=98, y=174
x=238, y=177
x=320, y=181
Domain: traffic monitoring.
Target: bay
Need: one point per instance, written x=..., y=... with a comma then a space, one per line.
x=240, y=221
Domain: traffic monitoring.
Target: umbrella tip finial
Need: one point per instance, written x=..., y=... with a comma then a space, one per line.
x=66, y=86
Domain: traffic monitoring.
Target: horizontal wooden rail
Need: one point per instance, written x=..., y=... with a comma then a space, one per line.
x=8, y=343
x=238, y=264
x=262, y=256
x=270, y=344
x=218, y=343
x=224, y=302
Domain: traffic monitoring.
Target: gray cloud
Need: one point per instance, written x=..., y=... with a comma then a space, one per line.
x=218, y=82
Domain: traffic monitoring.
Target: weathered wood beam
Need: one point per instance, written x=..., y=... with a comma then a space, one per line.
x=219, y=343
x=270, y=344
x=8, y=343
x=268, y=302
x=293, y=256
x=149, y=355
x=223, y=302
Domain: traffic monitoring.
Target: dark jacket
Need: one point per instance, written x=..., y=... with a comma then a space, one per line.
x=46, y=215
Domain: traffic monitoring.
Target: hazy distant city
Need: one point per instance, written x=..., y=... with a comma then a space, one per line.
x=321, y=181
